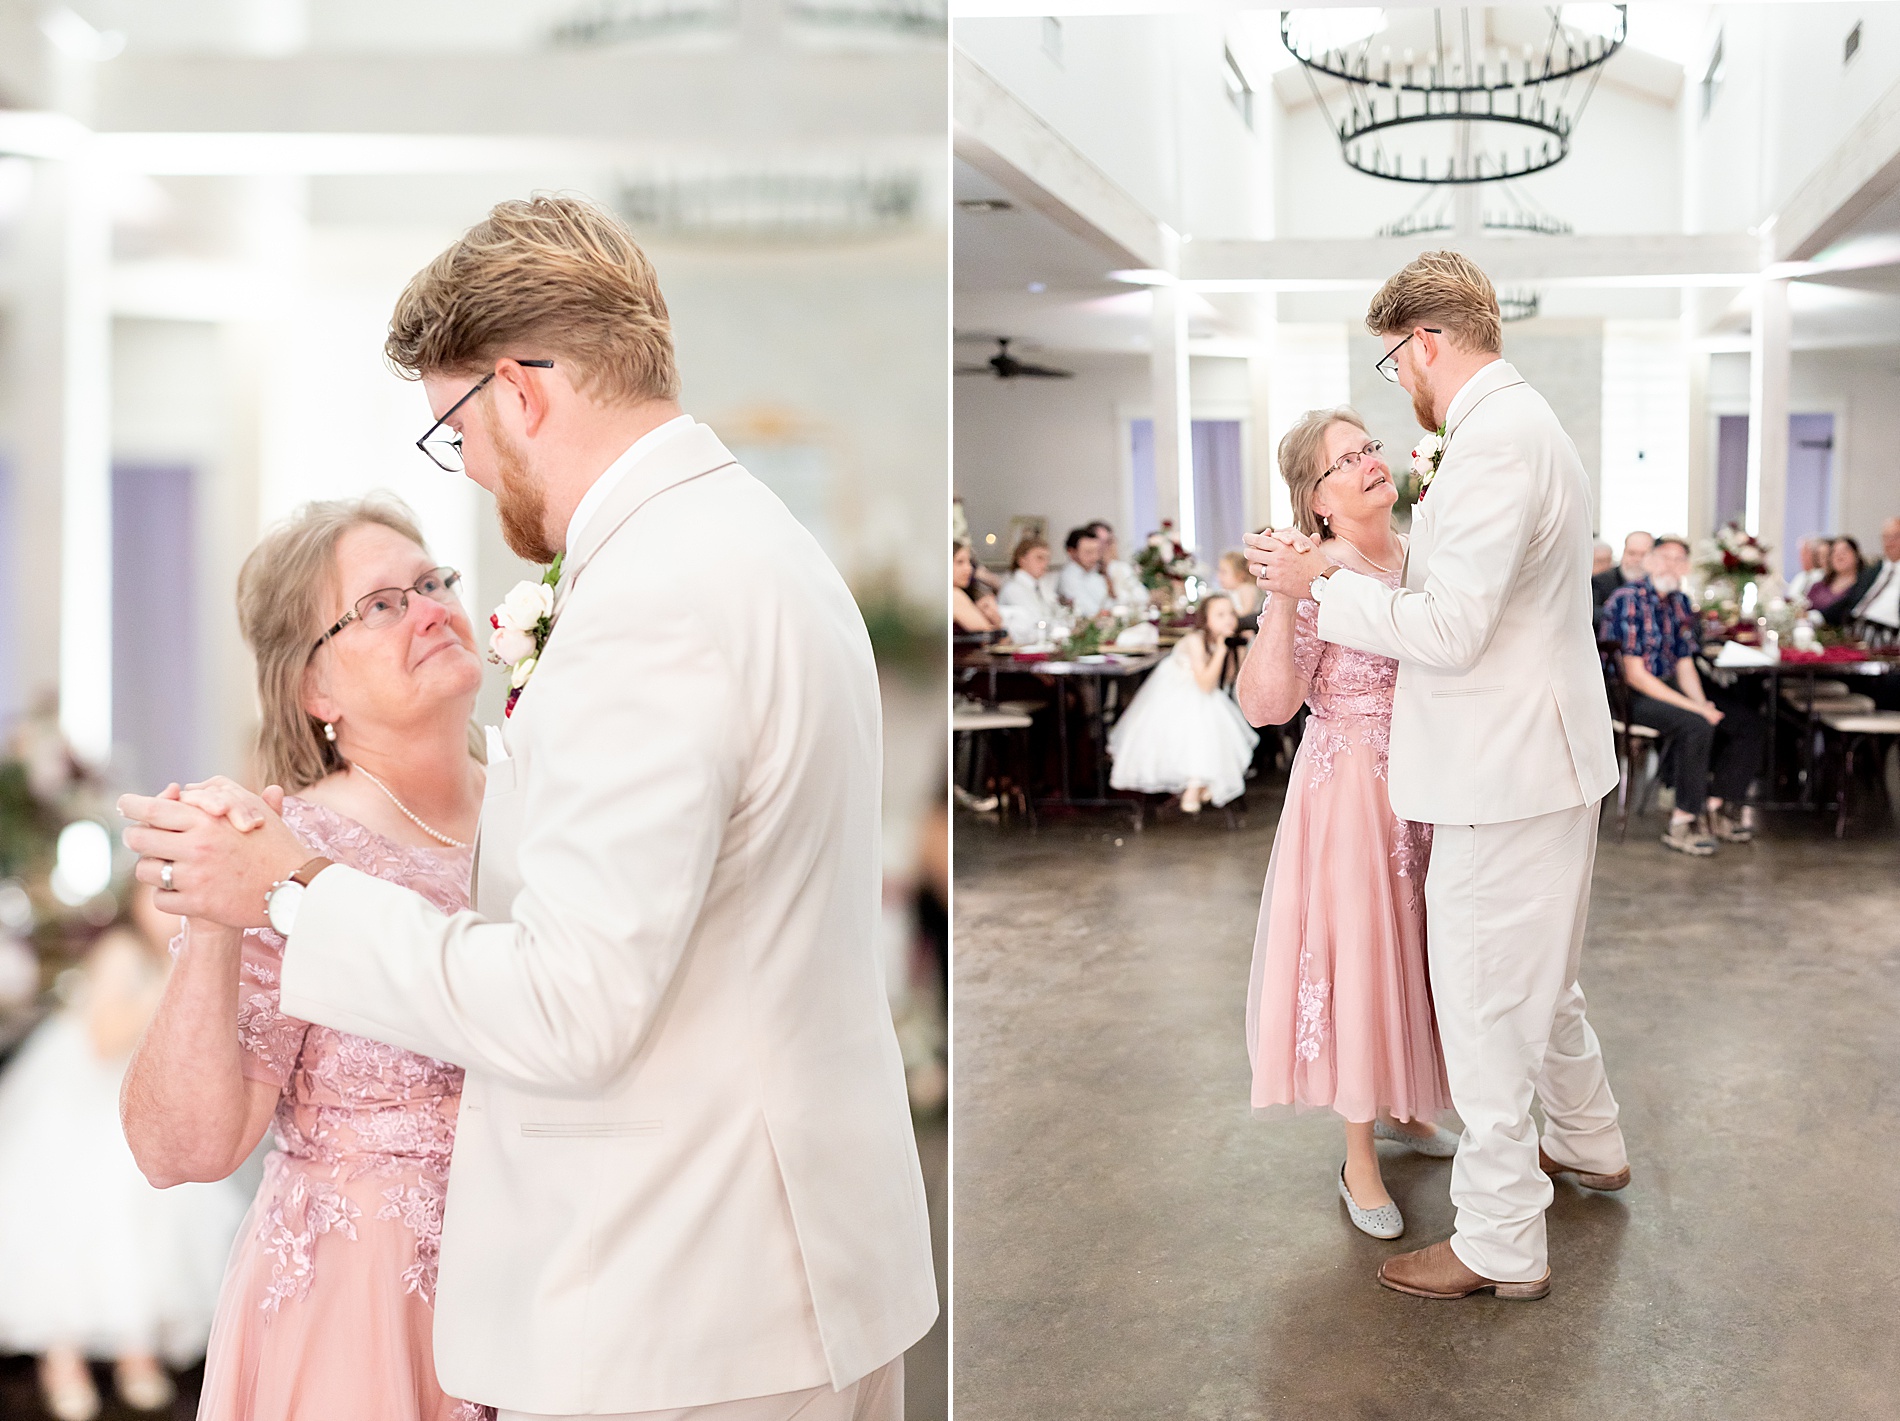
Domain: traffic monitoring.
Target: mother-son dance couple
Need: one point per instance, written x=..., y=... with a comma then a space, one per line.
x=586, y=1091
x=1441, y=817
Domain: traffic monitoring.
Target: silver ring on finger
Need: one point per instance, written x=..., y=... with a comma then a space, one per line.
x=165, y=877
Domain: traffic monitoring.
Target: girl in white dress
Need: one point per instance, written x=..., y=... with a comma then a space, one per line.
x=1183, y=734
x=93, y=1260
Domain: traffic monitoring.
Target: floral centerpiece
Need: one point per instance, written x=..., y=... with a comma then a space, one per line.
x=1730, y=568
x=1162, y=561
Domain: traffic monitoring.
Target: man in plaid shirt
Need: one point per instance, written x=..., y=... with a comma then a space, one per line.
x=1716, y=750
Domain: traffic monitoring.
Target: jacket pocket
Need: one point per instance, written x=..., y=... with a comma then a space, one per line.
x=588, y=1129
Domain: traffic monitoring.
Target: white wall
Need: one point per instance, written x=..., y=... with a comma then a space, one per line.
x=1055, y=448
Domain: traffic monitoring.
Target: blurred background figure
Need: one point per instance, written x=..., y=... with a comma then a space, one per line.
x=94, y=1262
x=973, y=606
x=1602, y=558
x=1240, y=588
x=207, y=210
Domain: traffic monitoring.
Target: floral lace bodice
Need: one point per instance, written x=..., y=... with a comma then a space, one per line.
x=359, y=1124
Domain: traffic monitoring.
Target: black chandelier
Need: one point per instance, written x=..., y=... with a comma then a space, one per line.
x=1445, y=110
x=1518, y=214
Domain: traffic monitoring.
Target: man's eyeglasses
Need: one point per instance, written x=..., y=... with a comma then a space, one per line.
x=444, y=445
x=1388, y=365
x=1352, y=458
x=385, y=606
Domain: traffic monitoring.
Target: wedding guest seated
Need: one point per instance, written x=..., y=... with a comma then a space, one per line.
x=1602, y=558
x=1635, y=548
x=1875, y=615
x=1813, y=566
x=1715, y=749
x=1125, y=587
x=1028, y=603
x=1238, y=584
x=1081, y=583
x=1848, y=580
x=972, y=614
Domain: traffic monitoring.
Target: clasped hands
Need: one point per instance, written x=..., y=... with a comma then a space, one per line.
x=212, y=850
x=1285, y=561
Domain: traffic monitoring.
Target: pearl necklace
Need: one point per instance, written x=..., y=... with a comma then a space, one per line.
x=1362, y=553
x=435, y=834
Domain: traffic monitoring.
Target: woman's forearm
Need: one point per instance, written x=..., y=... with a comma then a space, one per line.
x=189, y=1111
x=1270, y=688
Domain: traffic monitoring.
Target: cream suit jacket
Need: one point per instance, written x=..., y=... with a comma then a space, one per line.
x=1500, y=711
x=684, y=1171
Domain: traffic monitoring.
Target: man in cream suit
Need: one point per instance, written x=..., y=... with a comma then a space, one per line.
x=684, y=1178
x=1500, y=740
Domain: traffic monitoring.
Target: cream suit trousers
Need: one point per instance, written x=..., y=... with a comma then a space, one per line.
x=1506, y=906
x=878, y=1397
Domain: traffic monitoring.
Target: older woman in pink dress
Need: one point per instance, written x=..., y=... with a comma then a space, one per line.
x=367, y=674
x=1339, y=1011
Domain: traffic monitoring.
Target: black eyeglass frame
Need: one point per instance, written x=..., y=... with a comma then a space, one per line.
x=449, y=413
x=1388, y=366
x=451, y=579
x=1372, y=446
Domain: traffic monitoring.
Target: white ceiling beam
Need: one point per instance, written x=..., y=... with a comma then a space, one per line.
x=1667, y=260
x=1853, y=180
x=998, y=135
x=745, y=96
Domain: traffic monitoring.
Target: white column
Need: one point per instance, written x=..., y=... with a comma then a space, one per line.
x=1267, y=499
x=1701, y=463
x=1769, y=371
x=1174, y=433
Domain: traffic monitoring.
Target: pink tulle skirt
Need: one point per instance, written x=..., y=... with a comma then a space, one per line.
x=1339, y=1008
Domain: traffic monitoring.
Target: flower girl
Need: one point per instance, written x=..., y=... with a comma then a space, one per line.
x=1183, y=733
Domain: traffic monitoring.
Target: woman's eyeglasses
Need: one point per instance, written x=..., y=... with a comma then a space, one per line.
x=1352, y=460
x=386, y=605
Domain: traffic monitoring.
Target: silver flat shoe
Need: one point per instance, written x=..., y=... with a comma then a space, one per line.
x=1441, y=1144
x=1383, y=1222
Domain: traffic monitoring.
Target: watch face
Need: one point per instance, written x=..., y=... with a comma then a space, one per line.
x=282, y=908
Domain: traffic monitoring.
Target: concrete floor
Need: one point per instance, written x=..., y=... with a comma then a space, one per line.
x=1131, y=1242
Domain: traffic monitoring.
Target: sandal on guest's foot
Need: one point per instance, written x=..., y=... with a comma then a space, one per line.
x=1687, y=837
x=1440, y=1144
x=69, y=1395
x=143, y=1388
x=1730, y=831
x=1383, y=1222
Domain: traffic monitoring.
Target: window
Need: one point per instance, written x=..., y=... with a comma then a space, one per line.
x=1052, y=37
x=1239, y=91
x=1712, y=76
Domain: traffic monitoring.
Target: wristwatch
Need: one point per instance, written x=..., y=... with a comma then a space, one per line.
x=280, y=904
x=1320, y=582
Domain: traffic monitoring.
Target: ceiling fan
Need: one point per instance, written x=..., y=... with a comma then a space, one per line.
x=1005, y=366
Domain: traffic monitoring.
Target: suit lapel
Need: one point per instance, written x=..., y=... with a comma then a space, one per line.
x=685, y=456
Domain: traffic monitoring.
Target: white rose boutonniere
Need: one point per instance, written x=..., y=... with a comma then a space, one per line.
x=1425, y=460
x=521, y=626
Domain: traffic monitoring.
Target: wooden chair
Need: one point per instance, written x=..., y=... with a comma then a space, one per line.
x=1851, y=730
x=1631, y=739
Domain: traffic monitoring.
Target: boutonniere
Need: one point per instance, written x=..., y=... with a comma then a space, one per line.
x=1425, y=460
x=521, y=627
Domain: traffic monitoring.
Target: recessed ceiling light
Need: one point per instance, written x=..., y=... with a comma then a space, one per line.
x=1037, y=287
x=985, y=204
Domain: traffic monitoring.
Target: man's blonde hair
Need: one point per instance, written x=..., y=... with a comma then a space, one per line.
x=1303, y=463
x=1442, y=289
x=552, y=276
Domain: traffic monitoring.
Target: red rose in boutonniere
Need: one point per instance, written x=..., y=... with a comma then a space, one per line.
x=1425, y=460
x=522, y=625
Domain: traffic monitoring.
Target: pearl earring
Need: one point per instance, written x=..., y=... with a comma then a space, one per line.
x=329, y=732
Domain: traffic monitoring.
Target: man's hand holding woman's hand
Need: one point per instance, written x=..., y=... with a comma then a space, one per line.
x=212, y=850
x=1285, y=561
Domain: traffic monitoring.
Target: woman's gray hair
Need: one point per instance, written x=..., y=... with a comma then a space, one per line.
x=281, y=593
x=1303, y=462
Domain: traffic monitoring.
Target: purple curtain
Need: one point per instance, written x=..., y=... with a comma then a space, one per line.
x=1219, y=493
x=156, y=704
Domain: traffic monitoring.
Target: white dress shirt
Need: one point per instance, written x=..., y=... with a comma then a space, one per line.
x=1882, y=602
x=1082, y=589
x=1025, y=601
x=611, y=476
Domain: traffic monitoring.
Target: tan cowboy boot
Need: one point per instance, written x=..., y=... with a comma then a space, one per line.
x=1437, y=1272
x=1605, y=1182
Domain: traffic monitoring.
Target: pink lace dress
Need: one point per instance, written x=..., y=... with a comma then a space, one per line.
x=328, y=1303
x=1339, y=1008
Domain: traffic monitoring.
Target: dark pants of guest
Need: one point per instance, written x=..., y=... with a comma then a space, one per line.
x=1704, y=759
